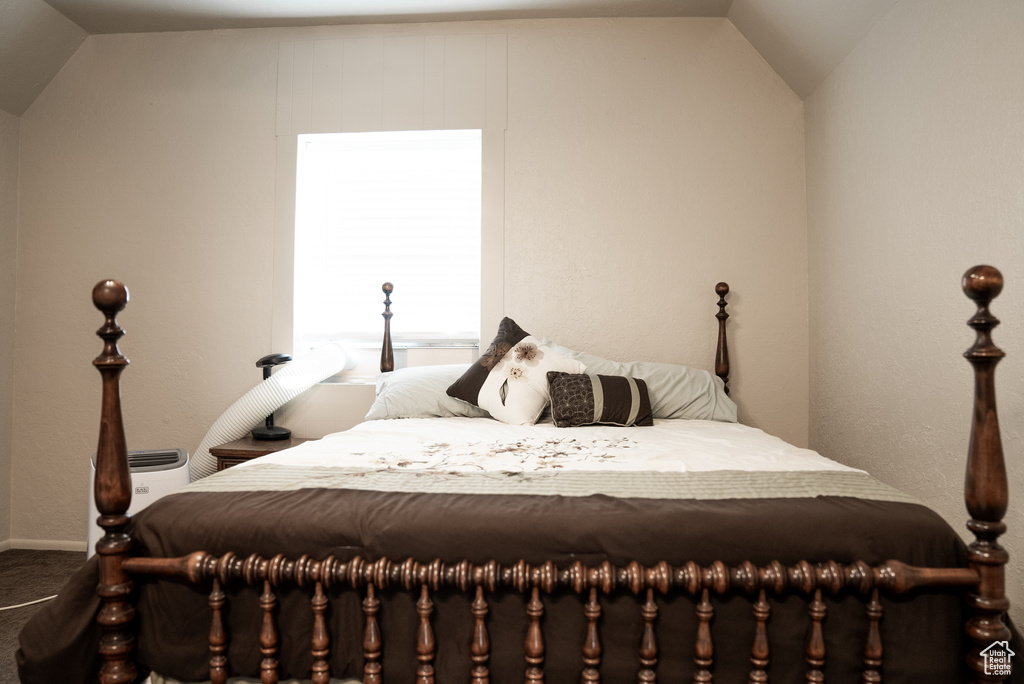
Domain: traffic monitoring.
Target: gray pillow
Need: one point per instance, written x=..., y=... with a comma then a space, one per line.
x=675, y=391
x=419, y=392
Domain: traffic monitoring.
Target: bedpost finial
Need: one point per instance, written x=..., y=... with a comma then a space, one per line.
x=387, y=289
x=110, y=296
x=982, y=283
x=722, y=289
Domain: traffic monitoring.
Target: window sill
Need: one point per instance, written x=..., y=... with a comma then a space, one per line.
x=365, y=365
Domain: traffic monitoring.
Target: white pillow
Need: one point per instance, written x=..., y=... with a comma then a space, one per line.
x=419, y=392
x=510, y=380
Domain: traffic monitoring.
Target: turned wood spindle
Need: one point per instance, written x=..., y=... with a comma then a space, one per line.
x=985, y=486
x=425, y=639
x=891, y=577
x=112, y=491
x=372, y=644
x=534, y=639
x=816, y=642
x=268, y=636
x=873, y=644
x=760, y=651
x=387, y=353
x=218, y=638
x=648, y=640
x=704, y=652
x=592, y=643
x=722, y=352
x=480, y=649
x=320, y=642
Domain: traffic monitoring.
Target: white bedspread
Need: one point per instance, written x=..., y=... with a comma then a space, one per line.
x=673, y=459
x=483, y=444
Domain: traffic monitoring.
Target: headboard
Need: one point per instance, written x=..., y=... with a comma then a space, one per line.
x=387, y=352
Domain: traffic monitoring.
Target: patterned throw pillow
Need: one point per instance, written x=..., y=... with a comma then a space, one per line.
x=509, y=380
x=586, y=399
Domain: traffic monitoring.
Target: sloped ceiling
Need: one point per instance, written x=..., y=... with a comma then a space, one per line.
x=803, y=40
x=35, y=42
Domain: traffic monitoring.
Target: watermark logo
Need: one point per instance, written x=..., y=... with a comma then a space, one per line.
x=997, y=659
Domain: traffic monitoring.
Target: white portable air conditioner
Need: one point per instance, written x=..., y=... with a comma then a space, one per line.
x=155, y=473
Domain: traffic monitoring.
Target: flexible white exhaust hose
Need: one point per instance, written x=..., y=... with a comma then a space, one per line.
x=255, y=405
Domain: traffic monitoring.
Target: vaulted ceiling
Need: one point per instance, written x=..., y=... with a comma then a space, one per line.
x=803, y=40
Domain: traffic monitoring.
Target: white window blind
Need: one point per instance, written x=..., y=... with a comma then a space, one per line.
x=403, y=207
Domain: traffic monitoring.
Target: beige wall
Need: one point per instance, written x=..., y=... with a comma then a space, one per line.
x=645, y=160
x=10, y=127
x=915, y=168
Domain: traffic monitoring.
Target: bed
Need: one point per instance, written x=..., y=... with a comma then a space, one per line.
x=457, y=547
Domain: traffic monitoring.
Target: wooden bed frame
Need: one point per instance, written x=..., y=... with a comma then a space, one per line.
x=983, y=580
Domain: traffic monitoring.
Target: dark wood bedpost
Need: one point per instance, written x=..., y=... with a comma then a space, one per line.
x=113, y=494
x=985, y=486
x=387, y=353
x=722, y=353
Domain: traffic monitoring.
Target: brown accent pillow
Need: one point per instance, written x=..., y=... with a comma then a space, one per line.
x=468, y=386
x=588, y=399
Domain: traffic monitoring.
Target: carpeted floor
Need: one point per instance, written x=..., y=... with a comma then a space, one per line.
x=27, y=576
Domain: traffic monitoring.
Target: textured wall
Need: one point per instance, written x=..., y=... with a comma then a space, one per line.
x=149, y=159
x=915, y=169
x=645, y=160
x=10, y=128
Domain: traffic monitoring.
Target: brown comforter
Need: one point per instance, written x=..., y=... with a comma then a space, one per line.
x=923, y=634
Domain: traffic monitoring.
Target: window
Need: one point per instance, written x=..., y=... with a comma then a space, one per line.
x=403, y=207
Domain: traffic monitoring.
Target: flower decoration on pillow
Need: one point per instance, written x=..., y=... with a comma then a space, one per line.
x=510, y=378
x=588, y=399
x=528, y=353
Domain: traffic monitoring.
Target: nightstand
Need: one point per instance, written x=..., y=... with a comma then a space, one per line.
x=248, y=448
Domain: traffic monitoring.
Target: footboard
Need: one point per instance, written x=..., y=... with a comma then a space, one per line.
x=483, y=582
x=649, y=584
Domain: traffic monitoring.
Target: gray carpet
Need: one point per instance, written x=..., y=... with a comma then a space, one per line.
x=27, y=576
